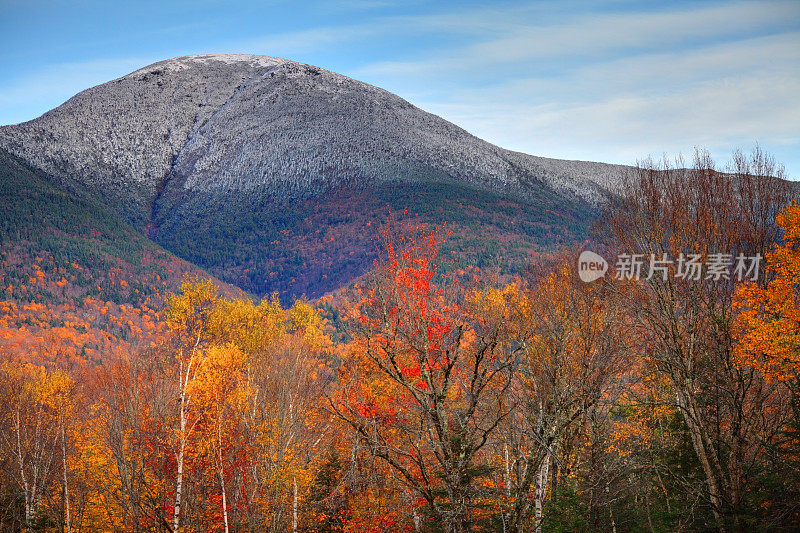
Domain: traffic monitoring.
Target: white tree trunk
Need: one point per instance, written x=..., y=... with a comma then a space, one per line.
x=222, y=477
x=542, y=478
x=30, y=495
x=183, y=383
x=176, y=521
x=294, y=506
x=67, y=518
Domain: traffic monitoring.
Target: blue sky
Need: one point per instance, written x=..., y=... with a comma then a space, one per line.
x=607, y=81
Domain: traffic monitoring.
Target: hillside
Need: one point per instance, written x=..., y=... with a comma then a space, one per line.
x=72, y=271
x=265, y=171
x=315, y=245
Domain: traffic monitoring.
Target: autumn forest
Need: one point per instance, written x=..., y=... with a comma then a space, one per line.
x=428, y=395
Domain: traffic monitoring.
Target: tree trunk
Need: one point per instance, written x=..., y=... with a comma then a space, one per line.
x=183, y=383
x=611, y=511
x=294, y=505
x=539, y=492
x=67, y=518
x=29, y=498
x=224, y=499
x=221, y=473
x=176, y=521
x=507, y=480
x=690, y=416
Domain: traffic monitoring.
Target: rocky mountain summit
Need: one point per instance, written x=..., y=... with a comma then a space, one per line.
x=263, y=125
x=249, y=166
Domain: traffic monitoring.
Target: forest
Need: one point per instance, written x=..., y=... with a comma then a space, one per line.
x=432, y=396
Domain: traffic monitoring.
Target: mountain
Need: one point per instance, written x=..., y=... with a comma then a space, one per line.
x=75, y=279
x=269, y=172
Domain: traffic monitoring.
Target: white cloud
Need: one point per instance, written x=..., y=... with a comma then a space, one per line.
x=616, y=87
x=718, y=114
x=505, y=37
x=556, y=80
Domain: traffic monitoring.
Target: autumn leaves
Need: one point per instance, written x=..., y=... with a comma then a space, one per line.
x=444, y=400
x=249, y=412
x=217, y=426
x=768, y=323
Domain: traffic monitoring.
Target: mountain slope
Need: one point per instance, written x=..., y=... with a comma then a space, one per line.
x=315, y=245
x=215, y=156
x=74, y=278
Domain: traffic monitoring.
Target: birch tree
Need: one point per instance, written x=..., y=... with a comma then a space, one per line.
x=187, y=316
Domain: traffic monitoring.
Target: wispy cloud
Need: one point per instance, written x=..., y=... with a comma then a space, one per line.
x=580, y=79
x=618, y=86
x=505, y=37
x=626, y=127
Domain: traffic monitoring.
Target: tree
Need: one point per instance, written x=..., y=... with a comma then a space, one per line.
x=685, y=324
x=33, y=410
x=188, y=316
x=768, y=332
x=425, y=384
x=769, y=318
x=573, y=340
x=220, y=387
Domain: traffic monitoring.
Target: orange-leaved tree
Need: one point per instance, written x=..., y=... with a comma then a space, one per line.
x=220, y=388
x=33, y=405
x=768, y=334
x=424, y=384
x=769, y=318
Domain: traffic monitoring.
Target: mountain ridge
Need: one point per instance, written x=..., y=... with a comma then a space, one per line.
x=226, y=160
x=75, y=278
x=176, y=103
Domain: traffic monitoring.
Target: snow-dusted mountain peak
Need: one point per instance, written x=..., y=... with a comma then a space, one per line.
x=258, y=125
x=177, y=64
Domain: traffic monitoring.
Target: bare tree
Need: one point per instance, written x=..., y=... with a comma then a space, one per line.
x=699, y=216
